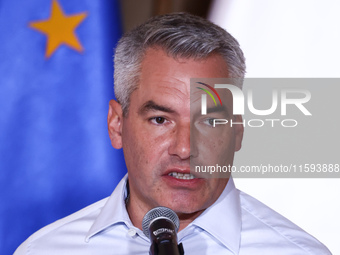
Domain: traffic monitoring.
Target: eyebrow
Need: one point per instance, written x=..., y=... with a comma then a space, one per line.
x=219, y=108
x=152, y=106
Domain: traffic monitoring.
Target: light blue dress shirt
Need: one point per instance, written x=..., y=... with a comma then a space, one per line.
x=235, y=224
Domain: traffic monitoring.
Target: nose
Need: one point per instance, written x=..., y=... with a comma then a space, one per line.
x=180, y=144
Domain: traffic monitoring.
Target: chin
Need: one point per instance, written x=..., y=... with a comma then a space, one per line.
x=184, y=201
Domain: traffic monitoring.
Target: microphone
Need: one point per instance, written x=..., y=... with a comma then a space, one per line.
x=160, y=225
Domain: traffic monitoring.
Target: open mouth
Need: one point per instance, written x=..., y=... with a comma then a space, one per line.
x=181, y=176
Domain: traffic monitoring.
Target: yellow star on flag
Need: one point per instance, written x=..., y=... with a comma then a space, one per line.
x=60, y=29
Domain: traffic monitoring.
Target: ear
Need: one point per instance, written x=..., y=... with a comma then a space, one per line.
x=114, y=123
x=238, y=129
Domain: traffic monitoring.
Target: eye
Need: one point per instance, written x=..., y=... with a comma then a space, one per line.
x=158, y=120
x=209, y=122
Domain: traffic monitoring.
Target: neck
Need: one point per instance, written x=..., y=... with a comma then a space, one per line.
x=186, y=219
x=136, y=214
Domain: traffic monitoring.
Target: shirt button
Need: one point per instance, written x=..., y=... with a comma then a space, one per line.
x=132, y=232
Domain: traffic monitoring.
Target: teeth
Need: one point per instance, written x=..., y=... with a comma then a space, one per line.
x=181, y=176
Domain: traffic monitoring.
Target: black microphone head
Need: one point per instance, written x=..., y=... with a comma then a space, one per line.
x=159, y=212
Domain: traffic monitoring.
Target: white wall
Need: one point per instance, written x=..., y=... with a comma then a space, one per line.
x=290, y=38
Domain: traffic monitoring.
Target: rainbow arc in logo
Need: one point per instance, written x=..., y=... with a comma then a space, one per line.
x=209, y=93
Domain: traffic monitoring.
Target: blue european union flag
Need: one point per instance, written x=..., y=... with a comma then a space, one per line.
x=56, y=80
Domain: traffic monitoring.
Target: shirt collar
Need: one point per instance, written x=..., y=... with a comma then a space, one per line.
x=113, y=212
x=222, y=220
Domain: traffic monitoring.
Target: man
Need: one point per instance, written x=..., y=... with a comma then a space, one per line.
x=152, y=121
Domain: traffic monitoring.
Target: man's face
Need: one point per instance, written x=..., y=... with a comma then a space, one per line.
x=155, y=136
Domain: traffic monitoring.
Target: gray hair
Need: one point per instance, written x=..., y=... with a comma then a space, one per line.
x=180, y=35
